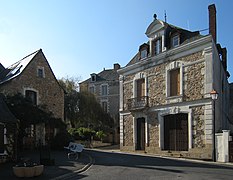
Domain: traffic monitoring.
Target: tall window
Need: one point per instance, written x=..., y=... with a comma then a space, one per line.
x=31, y=96
x=140, y=88
x=104, y=105
x=157, y=46
x=1, y=138
x=104, y=90
x=175, y=82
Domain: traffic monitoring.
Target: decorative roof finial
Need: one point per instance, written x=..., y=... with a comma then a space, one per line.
x=165, y=16
x=155, y=16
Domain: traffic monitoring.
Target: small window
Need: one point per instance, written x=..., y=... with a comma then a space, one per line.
x=157, y=46
x=93, y=77
x=143, y=53
x=175, y=82
x=40, y=72
x=104, y=106
x=1, y=138
x=175, y=41
x=104, y=90
x=31, y=96
x=92, y=89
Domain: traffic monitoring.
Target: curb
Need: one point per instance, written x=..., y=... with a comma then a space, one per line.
x=164, y=157
x=72, y=174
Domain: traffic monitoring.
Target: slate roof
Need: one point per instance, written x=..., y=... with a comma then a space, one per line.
x=187, y=36
x=105, y=75
x=5, y=114
x=16, y=69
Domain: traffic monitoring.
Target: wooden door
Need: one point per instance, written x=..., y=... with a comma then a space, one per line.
x=140, y=134
x=176, y=132
x=231, y=151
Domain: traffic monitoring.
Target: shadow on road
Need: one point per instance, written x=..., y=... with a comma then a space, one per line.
x=148, y=162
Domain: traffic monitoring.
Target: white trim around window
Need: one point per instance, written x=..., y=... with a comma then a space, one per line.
x=32, y=89
x=172, y=66
x=104, y=92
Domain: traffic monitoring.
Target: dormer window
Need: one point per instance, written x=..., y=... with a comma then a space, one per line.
x=93, y=77
x=175, y=40
x=144, y=50
x=157, y=46
x=143, y=53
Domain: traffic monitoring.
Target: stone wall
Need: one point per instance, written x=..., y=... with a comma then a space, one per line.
x=128, y=130
x=194, y=82
x=153, y=139
x=198, y=127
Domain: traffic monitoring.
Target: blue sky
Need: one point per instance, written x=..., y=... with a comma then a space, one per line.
x=80, y=37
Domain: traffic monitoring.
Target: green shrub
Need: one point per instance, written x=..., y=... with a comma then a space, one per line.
x=100, y=134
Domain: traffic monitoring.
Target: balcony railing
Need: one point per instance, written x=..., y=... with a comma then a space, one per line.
x=137, y=103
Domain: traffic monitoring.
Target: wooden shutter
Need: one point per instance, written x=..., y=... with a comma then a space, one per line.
x=175, y=82
x=140, y=88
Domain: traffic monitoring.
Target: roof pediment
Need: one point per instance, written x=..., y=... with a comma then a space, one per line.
x=155, y=26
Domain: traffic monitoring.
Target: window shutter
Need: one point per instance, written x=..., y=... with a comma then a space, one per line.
x=140, y=87
x=175, y=82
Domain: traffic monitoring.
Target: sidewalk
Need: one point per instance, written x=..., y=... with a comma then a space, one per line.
x=63, y=166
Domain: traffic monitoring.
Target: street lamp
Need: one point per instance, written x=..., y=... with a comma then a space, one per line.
x=214, y=97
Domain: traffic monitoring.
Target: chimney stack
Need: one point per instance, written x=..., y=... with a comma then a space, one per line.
x=224, y=58
x=212, y=22
x=116, y=66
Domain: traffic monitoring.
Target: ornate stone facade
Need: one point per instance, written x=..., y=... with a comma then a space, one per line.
x=176, y=81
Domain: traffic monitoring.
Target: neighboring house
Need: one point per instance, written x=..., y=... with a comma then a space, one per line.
x=33, y=77
x=8, y=132
x=165, y=104
x=105, y=87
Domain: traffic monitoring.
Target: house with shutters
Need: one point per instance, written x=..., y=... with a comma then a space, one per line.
x=33, y=78
x=105, y=86
x=165, y=103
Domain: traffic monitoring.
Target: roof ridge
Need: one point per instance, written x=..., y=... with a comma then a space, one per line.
x=35, y=52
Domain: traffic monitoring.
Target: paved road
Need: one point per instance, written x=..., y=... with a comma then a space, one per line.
x=114, y=166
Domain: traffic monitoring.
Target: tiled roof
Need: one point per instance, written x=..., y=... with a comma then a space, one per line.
x=16, y=69
x=5, y=115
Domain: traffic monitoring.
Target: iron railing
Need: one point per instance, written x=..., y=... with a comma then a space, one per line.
x=137, y=103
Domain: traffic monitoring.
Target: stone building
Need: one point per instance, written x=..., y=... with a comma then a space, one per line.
x=105, y=87
x=165, y=103
x=33, y=77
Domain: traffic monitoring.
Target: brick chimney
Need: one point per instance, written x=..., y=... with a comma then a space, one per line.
x=212, y=22
x=224, y=58
x=116, y=66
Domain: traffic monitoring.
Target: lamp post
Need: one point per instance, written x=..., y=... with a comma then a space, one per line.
x=214, y=97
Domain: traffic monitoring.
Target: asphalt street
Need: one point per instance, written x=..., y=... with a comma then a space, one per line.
x=114, y=166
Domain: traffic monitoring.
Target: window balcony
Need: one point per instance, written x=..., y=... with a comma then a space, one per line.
x=137, y=103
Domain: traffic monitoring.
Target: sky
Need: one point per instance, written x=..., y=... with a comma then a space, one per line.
x=80, y=37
